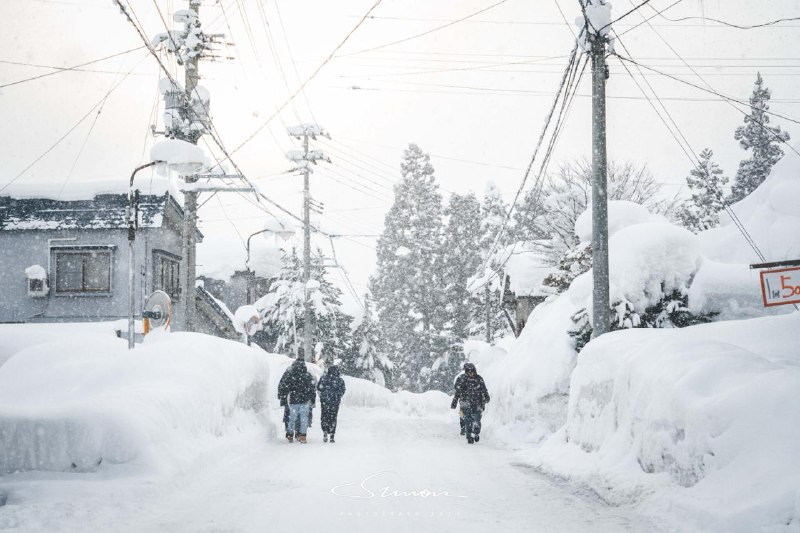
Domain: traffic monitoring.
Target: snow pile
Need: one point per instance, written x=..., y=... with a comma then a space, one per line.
x=770, y=216
x=181, y=156
x=527, y=265
x=702, y=420
x=621, y=214
x=85, y=400
x=87, y=190
x=36, y=272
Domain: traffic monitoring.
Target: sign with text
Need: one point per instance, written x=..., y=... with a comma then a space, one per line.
x=781, y=286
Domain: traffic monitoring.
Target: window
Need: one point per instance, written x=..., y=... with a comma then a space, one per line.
x=167, y=274
x=83, y=271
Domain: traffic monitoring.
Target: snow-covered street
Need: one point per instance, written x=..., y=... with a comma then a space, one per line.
x=387, y=472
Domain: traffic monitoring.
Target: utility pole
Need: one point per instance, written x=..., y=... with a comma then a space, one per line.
x=303, y=160
x=488, y=315
x=600, y=297
x=188, y=243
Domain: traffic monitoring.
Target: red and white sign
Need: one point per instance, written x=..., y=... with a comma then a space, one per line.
x=781, y=286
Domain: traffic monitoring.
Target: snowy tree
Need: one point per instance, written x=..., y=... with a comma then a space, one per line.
x=408, y=284
x=494, y=242
x=462, y=259
x=568, y=194
x=759, y=137
x=283, y=310
x=371, y=361
x=670, y=311
x=701, y=211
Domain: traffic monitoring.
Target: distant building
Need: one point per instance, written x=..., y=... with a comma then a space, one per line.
x=67, y=261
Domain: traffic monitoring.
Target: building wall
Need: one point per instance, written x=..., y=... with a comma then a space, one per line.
x=23, y=248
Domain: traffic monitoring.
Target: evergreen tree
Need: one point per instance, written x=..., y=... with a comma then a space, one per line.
x=408, y=284
x=371, y=361
x=462, y=259
x=762, y=139
x=701, y=212
x=493, y=214
x=283, y=309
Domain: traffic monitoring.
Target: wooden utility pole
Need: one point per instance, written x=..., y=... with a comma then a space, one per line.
x=189, y=238
x=303, y=161
x=600, y=296
x=308, y=317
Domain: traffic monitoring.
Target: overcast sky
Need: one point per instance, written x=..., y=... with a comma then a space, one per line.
x=473, y=94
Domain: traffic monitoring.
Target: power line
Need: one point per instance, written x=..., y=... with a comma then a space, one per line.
x=311, y=77
x=60, y=139
x=566, y=76
x=59, y=70
x=406, y=39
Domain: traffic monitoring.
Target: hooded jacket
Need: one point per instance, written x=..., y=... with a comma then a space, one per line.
x=471, y=389
x=331, y=387
x=296, y=385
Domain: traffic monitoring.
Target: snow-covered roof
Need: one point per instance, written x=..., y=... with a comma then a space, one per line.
x=104, y=211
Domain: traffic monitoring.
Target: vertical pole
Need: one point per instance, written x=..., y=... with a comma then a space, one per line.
x=189, y=244
x=131, y=237
x=601, y=304
x=308, y=326
x=488, y=315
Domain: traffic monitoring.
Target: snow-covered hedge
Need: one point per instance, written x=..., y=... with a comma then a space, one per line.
x=709, y=415
x=84, y=400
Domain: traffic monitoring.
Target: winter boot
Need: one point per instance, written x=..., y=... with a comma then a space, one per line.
x=302, y=439
x=477, y=438
x=289, y=437
x=470, y=440
x=332, y=441
x=324, y=437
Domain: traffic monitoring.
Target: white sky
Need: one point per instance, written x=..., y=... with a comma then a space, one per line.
x=453, y=92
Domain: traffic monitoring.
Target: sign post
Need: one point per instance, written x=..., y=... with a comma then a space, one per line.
x=780, y=286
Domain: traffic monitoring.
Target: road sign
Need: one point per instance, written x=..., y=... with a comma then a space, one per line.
x=780, y=286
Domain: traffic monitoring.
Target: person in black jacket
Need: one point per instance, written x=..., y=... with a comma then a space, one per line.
x=296, y=389
x=331, y=389
x=472, y=394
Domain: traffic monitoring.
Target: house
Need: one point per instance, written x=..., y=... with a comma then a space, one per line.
x=67, y=260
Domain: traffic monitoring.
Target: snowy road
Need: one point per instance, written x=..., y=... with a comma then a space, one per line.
x=387, y=472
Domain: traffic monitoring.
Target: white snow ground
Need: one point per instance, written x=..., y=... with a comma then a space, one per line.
x=398, y=464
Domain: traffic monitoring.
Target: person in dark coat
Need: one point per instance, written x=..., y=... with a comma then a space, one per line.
x=331, y=389
x=296, y=389
x=471, y=393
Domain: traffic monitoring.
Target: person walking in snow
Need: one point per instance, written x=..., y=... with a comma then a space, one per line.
x=471, y=393
x=331, y=389
x=460, y=412
x=296, y=389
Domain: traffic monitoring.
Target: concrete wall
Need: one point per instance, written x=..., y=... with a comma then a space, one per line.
x=21, y=249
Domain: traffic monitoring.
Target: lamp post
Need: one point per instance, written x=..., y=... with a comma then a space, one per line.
x=133, y=225
x=284, y=233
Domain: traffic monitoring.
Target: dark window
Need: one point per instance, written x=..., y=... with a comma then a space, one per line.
x=83, y=271
x=167, y=275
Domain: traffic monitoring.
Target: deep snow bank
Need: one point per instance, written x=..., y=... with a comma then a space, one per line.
x=84, y=400
x=709, y=415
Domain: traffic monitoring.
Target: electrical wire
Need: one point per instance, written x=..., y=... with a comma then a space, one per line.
x=60, y=139
x=61, y=69
x=406, y=39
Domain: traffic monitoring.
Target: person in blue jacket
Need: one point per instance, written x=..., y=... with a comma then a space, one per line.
x=331, y=389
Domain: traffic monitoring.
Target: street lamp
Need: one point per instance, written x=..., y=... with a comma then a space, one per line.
x=133, y=225
x=283, y=232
